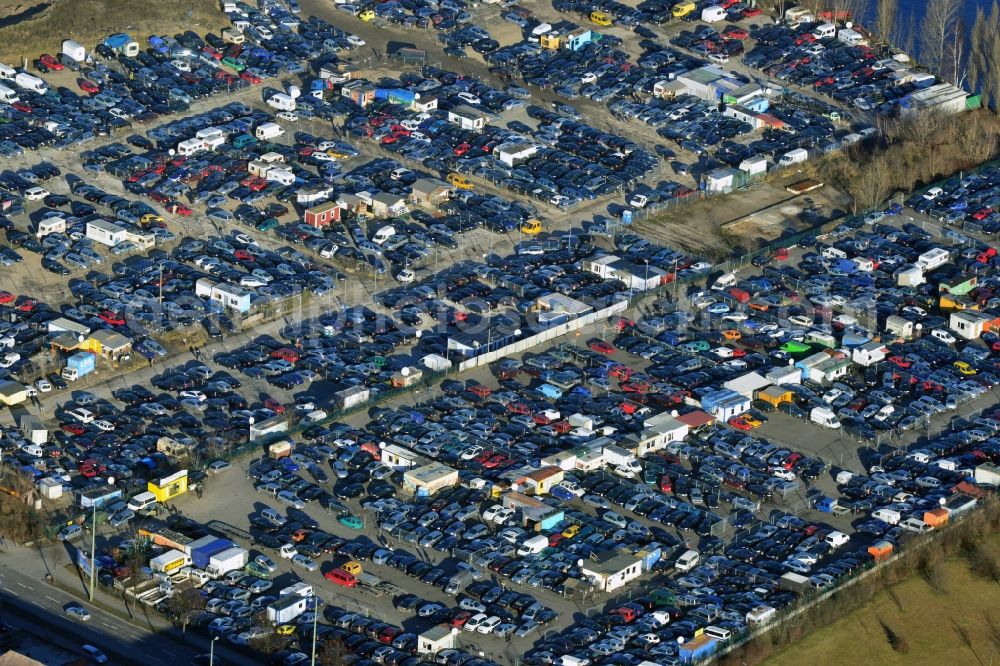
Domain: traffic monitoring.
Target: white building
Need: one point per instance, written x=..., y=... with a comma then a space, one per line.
x=467, y=117
x=105, y=232
x=609, y=570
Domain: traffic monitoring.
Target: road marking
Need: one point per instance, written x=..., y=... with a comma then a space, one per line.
x=27, y=587
x=51, y=599
x=152, y=658
x=168, y=653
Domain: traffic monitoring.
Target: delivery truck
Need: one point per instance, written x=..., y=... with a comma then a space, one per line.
x=225, y=561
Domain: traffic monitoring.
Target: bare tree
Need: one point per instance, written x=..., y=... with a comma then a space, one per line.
x=873, y=182
x=989, y=71
x=977, y=65
x=939, y=19
x=953, y=65
x=184, y=605
x=886, y=20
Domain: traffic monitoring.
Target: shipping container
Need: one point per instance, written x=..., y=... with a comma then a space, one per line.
x=793, y=582
x=351, y=397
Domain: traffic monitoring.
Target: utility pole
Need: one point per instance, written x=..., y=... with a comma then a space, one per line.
x=93, y=551
x=312, y=661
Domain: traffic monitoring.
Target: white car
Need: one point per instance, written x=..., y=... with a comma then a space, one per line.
x=503, y=516
x=357, y=41
x=466, y=97
x=35, y=193
x=472, y=624
x=194, y=395
x=287, y=551
x=783, y=474
x=106, y=426
x=43, y=385
x=492, y=512
x=9, y=359
x=290, y=116
x=405, y=276
x=488, y=625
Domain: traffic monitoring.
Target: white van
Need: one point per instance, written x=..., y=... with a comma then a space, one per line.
x=915, y=525
x=943, y=335
x=384, y=234
x=281, y=102
x=833, y=253
x=824, y=417
x=718, y=633
x=724, y=282
x=33, y=450
x=825, y=31
x=142, y=501
x=7, y=72
x=689, y=560
x=7, y=95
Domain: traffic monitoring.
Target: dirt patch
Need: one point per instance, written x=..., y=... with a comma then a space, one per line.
x=30, y=30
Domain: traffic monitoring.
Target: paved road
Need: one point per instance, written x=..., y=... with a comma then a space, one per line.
x=39, y=603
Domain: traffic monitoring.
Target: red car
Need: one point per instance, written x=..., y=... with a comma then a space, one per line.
x=274, y=405
x=752, y=11
x=460, y=618
x=179, y=209
x=6, y=297
x=73, y=428
x=732, y=32
x=602, y=347
x=251, y=78
x=27, y=305
x=494, y=460
x=461, y=149
x=739, y=423
x=88, y=86
x=21, y=106
x=50, y=62
x=112, y=318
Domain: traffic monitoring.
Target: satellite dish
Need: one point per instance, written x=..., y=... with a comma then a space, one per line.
x=111, y=480
x=454, y=631
x=171, y=152
x=405, y=371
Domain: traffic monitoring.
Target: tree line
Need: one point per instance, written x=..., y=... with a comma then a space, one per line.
x=946, y=46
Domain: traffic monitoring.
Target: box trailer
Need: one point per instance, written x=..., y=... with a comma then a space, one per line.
x=351, y=397
x=74, y=50
x=171, y=560
x=287, y=608
x=225, y=561
x=793, y=582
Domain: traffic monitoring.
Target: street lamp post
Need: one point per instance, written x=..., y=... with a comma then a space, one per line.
x=211, y=651
x=312, y=661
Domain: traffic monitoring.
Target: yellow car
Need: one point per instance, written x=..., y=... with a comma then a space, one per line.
x=965, y=368
x=531, y=227
x=337, y=154
x=150, y=218
x=285, y=630
x=752, y=421
x=366, y=15
x=571, y=531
